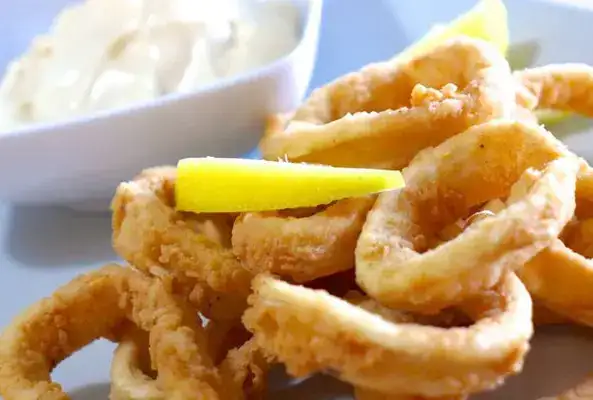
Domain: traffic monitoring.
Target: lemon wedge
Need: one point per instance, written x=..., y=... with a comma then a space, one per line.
x=487, y=20
x=236, y=185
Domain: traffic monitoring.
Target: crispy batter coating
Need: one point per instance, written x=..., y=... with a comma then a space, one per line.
x=565, y=87
x=97, y=305
x=394, y=262
x=311, y=331
x=151, y=235
x=243, y=368
x=561, y=278
x=301, y=248
x=367, y=118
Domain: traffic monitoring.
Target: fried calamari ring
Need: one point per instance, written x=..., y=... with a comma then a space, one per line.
x=393, y=261
x=561, y=278
x=151, y=235
x=310, y=331
x=243, y=369
x=96, y=305
x=558, y=277
x=565, y=87
x=541, y=314
x=304, y=248
x=367, y=119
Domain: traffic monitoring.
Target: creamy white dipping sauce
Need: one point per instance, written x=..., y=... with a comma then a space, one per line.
x=104, y=54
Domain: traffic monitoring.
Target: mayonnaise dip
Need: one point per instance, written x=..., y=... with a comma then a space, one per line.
x=104, y=54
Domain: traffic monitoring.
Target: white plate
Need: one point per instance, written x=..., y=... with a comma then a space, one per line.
x=42, y=248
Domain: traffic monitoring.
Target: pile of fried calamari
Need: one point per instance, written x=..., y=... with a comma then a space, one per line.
x=428, y=292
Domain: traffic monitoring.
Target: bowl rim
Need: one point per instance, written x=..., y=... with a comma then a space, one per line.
x=310, y=20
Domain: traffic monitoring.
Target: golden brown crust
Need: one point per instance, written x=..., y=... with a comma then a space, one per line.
x=97, y=305
x=366, y=118
x=151, y=235
x=301, y=248
x=242, y=368
x=313, y=331
x=393, y=261
x=565, y=87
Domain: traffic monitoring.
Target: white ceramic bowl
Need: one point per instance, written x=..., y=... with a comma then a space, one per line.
x=79, y=162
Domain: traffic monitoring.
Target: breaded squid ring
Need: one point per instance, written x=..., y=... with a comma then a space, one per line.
x=579, y=242
x=565, y=87
x=451, y=318
x=394, y=264
x=97, y=305
x=559, y=276
x=243, y=369
x=302, y=249
x=366, y=118
x=311, y=331
x=561, y=279
x=151, y=235
x=541, y=314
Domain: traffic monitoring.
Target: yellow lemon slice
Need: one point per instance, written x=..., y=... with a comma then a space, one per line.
x=487, y=20
x=237, y=185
